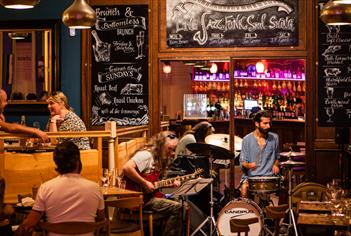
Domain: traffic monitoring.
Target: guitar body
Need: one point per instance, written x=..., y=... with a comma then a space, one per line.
x=151, y=177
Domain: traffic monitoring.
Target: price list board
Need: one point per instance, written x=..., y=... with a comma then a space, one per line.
x=119, y=41
x=241, y=23
x=334, y=75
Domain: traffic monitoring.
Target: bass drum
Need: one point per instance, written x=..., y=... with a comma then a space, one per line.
x=240, y=209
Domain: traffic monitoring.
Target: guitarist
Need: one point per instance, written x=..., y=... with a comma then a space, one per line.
x=151, y=160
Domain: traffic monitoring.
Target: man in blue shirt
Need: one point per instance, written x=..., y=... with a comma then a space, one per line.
x=260, y=151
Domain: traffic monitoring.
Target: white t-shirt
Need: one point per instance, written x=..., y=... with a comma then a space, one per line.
x=69, y=197
x=144, y=161
x=181, y=147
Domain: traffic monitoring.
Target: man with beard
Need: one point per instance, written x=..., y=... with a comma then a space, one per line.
x=260, y=151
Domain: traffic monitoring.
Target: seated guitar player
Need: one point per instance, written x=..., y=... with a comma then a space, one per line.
x=147, y=166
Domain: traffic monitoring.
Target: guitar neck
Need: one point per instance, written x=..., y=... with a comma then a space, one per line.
x=169, y=182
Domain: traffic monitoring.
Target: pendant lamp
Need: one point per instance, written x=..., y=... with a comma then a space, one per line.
x=19, y=4
x=336, y=13
x=79, y=15
x=18, y=35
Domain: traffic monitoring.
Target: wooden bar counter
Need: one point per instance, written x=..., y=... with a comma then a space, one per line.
x=289, y=130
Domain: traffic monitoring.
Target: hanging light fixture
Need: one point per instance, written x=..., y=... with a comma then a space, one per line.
x=167, y=69
x=214, y=68
x=343, y=1
x=79, y=15
x=19, y=4
x=18, y=35
x=337, y=12
x=259, y=67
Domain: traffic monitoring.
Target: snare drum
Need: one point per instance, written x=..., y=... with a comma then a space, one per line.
x=264, y=184
x=240, y=209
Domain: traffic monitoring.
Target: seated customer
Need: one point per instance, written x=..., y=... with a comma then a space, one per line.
x=13, y=127
x=196, y=135
x=64, y=119
x=5, y=212
x=69, y=196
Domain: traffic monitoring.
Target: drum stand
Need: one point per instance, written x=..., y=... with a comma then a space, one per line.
x=290, y=210
x=210, y=218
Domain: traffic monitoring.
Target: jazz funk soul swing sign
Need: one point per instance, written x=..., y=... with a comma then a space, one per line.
x=120, y=65
x=227, y=23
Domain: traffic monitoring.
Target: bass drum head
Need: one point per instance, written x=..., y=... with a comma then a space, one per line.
x=240, y=209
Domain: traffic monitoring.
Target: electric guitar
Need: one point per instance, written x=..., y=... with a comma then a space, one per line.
x=153, y=178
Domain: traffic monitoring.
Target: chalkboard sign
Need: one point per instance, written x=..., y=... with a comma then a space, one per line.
x=240, y=23
x=120, y=65
x=334, y=78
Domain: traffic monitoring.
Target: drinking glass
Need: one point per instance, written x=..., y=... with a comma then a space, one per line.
x=122, y=184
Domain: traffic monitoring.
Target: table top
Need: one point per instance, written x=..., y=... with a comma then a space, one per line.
x=314, y=207
x=118, y=192
x=323, y=220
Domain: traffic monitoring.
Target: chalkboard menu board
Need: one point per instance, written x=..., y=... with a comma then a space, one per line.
x=120, y=65
x=334, y=78
x=240, y=23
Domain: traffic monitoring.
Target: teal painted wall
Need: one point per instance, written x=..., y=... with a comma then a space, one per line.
x=70, y=47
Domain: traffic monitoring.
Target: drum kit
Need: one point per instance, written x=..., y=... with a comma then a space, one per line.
x=217, y=147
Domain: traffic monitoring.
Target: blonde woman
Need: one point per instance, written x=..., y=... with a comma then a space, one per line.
x=62, y=118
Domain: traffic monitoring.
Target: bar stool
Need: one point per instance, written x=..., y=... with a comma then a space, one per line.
x=276, y=213
x=242, y=225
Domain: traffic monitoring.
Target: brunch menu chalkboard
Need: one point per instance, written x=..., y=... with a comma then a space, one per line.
x=119, y=42
x=227, y=23
x=334, y=78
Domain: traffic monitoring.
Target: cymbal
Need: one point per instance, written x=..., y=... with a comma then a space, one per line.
x=292, y=163
x=292, y=154
x=208, y=149
x=222, y=140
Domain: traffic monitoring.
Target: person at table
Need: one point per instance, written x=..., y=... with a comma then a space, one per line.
x=5, y=212
x=260, y=151
x=62, y=118
x=17, y=128
x=69, y=196
x=149, y=161
x=196, y=135
x=214, y=107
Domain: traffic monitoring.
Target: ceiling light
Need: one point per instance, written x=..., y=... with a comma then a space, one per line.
x=189, y=63
x=19, y=4
x=167, y=69
x=17, y=35
x=79, y=15
x=259, y=67
x=336, y=13
x=199, y=64
x=213, y=68
x=343, y=1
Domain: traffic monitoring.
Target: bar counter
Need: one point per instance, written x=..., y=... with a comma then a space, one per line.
x=289, y=130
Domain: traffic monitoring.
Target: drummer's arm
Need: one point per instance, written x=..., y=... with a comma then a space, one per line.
x=275, y=167
x=248, y=165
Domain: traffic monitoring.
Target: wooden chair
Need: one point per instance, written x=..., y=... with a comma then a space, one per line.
x=308, y=191
x=72, y=228
x=119, y=225
x=242, y=225
x=277, y=214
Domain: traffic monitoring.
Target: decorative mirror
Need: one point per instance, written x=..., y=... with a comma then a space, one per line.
x=29, y=60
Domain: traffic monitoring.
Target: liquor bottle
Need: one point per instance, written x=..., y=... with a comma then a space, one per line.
x=268, y=73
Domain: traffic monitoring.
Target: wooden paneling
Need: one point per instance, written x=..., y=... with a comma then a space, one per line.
x=22, y=171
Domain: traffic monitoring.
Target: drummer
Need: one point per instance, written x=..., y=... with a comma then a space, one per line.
x=260, y=151
x=196, y=135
